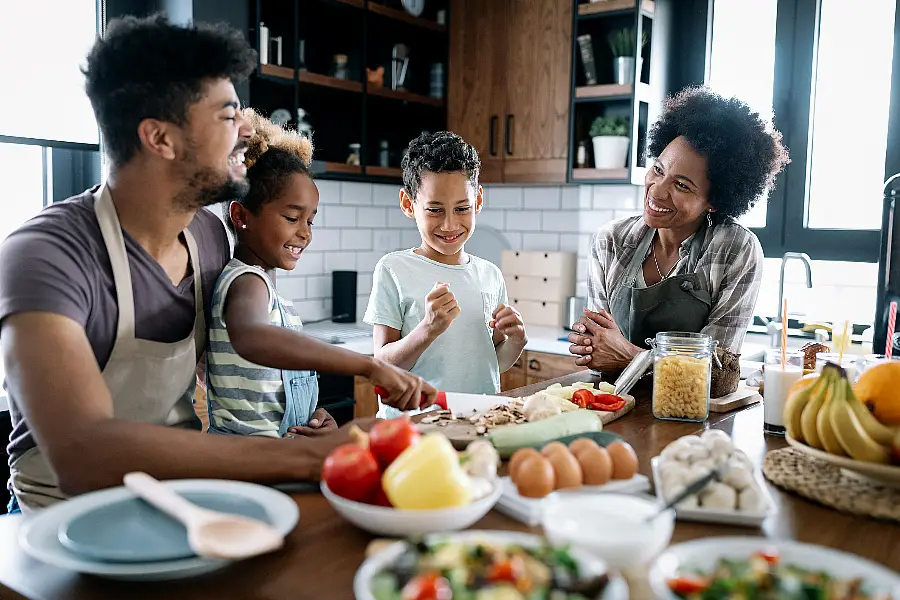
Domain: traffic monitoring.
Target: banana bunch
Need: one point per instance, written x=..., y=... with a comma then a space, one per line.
x=824, y=413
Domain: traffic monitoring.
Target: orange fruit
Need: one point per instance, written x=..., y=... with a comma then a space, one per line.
x=879, y=389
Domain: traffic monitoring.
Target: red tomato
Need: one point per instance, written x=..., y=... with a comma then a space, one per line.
x=583, y=398
x=388, y=439
x=350, y=471
x=688, y=584
x=508, y=570
x=430, y=586
x=770, y=556
x=379, y=498
x=608, y=407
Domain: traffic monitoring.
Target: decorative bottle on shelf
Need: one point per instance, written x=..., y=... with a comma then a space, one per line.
x=340, y=70
x=301, y=55
x=303, y=128
x=384, y=154
x=263, y=44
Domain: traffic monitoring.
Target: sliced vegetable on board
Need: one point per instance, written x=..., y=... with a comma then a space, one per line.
x=509, y=439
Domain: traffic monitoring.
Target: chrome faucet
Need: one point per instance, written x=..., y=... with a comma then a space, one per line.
x=804, y=258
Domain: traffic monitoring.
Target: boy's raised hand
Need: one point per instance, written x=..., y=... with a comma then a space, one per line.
x=508, y=321
x=405, y=390
x=440, y=308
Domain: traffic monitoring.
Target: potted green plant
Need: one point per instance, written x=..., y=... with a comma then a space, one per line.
x=622, y=43
x=610, y=138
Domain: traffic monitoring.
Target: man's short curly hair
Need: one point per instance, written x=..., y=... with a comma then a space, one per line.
x=441, y=152
x=152, y=69
x=743, y=152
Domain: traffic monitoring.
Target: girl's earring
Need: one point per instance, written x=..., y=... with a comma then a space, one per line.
x=243, y=226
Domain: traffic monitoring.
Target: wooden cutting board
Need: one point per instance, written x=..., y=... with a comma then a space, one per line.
x=743, y=396
x=461, y=432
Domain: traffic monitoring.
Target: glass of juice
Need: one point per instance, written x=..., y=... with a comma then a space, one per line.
x=778, y=380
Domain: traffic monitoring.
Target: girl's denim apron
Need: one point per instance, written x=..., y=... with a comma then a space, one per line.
x=301, y=388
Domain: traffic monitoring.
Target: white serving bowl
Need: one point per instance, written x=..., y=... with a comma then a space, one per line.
x=611, y=526
x=394, y=522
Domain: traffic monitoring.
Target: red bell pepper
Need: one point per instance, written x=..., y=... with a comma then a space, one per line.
x=583, y=398
x=608, y=407
x=687, y=585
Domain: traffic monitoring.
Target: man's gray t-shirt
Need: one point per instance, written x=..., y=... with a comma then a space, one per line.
x=57, y=262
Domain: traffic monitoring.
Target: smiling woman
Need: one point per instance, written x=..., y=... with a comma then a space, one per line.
x=685, y=264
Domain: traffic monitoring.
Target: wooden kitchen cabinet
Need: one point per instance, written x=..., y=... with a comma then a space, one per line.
x=514, y=378
x=540, y=366
x=366, y=399
x=509, y=86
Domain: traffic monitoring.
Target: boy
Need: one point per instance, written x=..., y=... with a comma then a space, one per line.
x=437, y=311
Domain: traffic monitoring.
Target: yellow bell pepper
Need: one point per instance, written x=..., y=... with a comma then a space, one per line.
x=427, y=476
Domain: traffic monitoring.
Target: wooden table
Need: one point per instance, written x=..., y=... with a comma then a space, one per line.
x=323, y=552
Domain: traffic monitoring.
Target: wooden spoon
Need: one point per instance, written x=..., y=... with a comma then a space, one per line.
x=211, y=534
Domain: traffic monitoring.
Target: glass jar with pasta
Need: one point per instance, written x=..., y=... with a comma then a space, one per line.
x=682, y=371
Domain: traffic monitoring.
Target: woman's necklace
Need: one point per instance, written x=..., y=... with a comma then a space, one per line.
x=658, y=270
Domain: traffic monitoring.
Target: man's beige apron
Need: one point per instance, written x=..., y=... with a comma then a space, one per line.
x=150, y=382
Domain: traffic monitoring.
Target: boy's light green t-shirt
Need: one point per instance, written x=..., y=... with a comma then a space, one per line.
x=463, y=358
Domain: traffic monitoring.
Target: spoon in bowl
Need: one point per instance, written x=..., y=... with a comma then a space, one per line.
x=211, y=534
x=714, y=475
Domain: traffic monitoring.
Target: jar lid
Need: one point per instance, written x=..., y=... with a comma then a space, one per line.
x=636, y=369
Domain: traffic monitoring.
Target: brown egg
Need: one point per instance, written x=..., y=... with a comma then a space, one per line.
x=582, y=443
x=596, y=465
x=517, y=458
x=535, y=477
x=552, y=448
x=624, y=460
x=567, y=469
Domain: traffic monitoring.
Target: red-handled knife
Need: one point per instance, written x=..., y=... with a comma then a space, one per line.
x=441, y=399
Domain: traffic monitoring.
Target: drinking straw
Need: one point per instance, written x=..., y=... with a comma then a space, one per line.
x=784, y=322
x=844, y=342
x=892, y=319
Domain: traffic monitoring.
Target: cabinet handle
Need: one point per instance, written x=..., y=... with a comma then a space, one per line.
x=493, y=134
x=534, y=364
x=509, y=122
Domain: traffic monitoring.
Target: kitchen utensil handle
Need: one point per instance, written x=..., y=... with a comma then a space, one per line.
x=440, y=400
x=163, y=498
x=509, y=120
x=492, y=132
x=690, y=490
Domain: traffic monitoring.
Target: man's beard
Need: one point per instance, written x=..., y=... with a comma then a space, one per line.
x=205, y=187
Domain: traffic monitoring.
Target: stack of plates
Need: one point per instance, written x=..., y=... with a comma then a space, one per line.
x=530, y=510
x=112, y=533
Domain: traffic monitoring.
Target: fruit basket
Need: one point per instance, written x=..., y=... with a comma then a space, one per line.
x=880, y=473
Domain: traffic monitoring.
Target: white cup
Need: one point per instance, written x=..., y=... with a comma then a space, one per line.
x=777, y=383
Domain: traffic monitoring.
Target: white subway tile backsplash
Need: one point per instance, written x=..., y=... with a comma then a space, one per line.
x=540, y=241
x=339, y=216
x=514, y=238
x=364, y=283
x=570, y=197
x=291, y=288
x=356, y=193
x=585, y=197
x=624, y=214
x=310, y=263
x=615, y=196
x=366, y=261
x=372, y=217
x=568, y=243
x=591, y=221
x=410, y=238
x=326, y=239
x=492, y=218
x=339, y=261
x=581, y=269
x=581, y=288
x=584, y=244
x=386, y=195
x=397, y=218
x=356, y=239
x=542, y=197
x=329, y=191
x=361, y=303
x=318, y=287
x=502, y=197
x=559, y=220
x=522, y=220
x=309, y=310
x=386, y=240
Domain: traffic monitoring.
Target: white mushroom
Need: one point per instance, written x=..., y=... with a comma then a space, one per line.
x=694, y=454
x=672, y=488
x=750, y=499
x=718, y=496
x=673, y=471
x=738, y=475
x=689, y=502
x=710, y=436
x=481, y=460
x=673, y=449
x=540, y=406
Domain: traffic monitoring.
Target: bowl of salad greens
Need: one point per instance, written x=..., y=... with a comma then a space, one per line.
x=732, y=568
x=485, y=565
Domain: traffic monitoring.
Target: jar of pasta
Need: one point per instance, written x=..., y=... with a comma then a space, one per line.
x=682, y=371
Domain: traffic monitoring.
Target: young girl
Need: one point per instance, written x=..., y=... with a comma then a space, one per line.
x=261, y=369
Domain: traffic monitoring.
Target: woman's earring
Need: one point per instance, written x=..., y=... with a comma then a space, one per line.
x=708, y=219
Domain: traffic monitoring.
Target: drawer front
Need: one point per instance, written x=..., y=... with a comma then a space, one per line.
x=552, y=289
x=537, y=264
x=535, y=312
x=548, y=366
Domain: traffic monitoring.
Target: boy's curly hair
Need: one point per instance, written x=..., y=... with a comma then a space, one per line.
x=273, y=153
x=151, y=68
x=743, y=152
x=441, y=152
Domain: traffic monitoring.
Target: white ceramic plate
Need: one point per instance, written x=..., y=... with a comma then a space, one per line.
x=590, y=566
x=39, y=534
x=391, y=522
x=883, y=474
x=703, y=555
x=711, y=515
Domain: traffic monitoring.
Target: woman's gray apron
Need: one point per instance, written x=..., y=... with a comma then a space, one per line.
x=149, y=382
x=676, y=303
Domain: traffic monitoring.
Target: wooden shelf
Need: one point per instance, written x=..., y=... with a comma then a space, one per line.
x=607, y=6
x=353, y=3
x=385, y=171
x=336, y=167
x=311, y=78
x=608, y=90
x=400, y=15
x=386, y=92
x=600, y=174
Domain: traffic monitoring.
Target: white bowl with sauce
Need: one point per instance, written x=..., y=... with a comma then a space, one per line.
x=612, y=527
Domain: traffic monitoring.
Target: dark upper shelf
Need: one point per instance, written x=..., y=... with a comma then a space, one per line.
x=399, y=15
